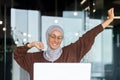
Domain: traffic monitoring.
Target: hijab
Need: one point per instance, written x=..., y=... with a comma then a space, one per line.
x=50, y=54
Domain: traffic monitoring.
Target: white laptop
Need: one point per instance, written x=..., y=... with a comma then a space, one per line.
x=62, y=71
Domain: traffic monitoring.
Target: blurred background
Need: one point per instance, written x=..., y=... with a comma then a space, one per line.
x=26, y=21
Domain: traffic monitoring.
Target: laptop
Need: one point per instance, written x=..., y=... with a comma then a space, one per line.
x=62, y=71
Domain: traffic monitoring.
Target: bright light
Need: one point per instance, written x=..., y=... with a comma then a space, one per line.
x=76, y=34
x=24, y=40
x=16, y=42
x=24, y=34
x=75, y=13
x=93, y=4
x=116, y=17
x=29, y=35
x=94, y=10
x=4, y=29
x=56, y=21
x=1, y=22
x=82, y=2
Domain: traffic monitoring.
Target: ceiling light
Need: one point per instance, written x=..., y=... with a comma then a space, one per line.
x=75, y=13
x=4, y=29
x=16, y=42
x=76, y=34
x=1, y=22
x=82, y=2
x=29, y=35
x=94, y=10
x=116, y=17
x=24, y=40
x=24, y=34
x=56, y=21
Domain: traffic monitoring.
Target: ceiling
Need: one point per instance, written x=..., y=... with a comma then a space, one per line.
x=50, y=7
x=55, y=8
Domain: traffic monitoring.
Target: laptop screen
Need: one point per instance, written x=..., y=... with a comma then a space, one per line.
x=62, y=71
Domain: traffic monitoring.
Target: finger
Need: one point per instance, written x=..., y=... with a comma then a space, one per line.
x=110, y=11
x=40, y=45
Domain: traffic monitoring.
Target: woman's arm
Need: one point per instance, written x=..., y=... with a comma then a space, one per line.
x=109, y=19
x=21, y=55
x=84, y=44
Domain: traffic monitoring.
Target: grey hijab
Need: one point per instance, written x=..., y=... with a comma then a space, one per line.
x=50, y=54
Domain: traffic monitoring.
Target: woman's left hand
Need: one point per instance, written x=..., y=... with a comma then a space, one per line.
x=111, y=14
x=109, y=19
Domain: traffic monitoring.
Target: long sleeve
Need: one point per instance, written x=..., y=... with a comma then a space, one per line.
x=88, y=38
x=26, y=60
x=78, y=49
x=20, y=54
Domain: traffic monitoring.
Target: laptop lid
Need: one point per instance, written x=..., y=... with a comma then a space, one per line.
x=62, y=71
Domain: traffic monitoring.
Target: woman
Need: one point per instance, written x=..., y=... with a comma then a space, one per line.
x=54, y=53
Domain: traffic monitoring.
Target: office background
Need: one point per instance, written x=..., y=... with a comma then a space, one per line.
x=22, y=22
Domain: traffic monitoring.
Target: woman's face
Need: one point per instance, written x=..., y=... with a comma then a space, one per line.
x=55, y=39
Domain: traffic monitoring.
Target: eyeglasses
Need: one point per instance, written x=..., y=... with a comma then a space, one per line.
x=53, y=36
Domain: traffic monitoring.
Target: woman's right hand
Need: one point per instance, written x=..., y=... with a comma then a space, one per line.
x=36, y=44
